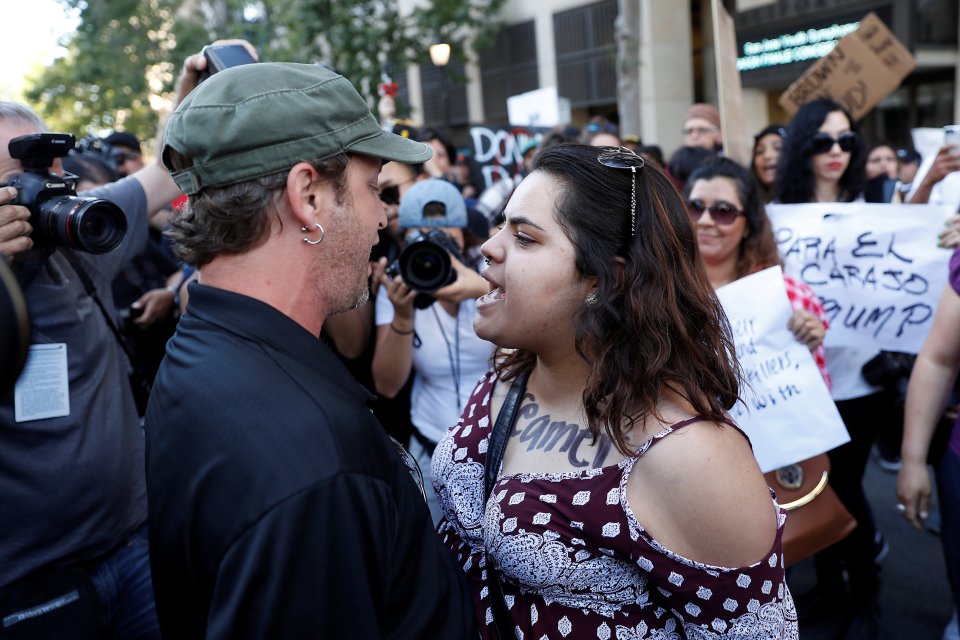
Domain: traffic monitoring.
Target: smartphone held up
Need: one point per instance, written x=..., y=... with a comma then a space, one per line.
x=224, y=56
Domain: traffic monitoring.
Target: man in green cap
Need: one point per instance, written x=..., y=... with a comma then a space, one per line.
x=278, y=507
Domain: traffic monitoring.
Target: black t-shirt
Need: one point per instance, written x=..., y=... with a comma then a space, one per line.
x=278, y=507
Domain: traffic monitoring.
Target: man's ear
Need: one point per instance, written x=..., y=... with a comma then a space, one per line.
x=305, y=194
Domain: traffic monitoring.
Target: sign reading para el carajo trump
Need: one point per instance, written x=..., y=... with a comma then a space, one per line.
x=876, y=267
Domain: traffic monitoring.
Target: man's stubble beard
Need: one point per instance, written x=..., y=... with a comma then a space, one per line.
x=336, y=295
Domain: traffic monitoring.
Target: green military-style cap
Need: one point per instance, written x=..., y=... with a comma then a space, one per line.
x=254, y=120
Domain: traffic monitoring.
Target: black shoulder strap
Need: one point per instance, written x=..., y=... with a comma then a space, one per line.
x=496, y=446
x=92, y=292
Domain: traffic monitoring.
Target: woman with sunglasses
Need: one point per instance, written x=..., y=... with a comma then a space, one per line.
x=625, y=504
x=821, y=162
x=736, y=239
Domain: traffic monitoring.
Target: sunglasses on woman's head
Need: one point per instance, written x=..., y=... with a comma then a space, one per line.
x=721, y=211
x=823, y=142
x=390, y=194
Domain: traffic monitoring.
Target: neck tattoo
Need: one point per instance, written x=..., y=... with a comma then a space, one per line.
x=541, y=433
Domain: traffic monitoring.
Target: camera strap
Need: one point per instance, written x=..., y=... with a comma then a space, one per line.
x=92, y=292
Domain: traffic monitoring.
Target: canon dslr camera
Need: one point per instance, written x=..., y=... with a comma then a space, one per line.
x=58, y=216
x=425, y=264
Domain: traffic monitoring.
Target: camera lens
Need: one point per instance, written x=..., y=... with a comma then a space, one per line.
x=90, y=224
x=425, y=266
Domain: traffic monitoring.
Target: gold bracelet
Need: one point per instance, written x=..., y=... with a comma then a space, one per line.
x=403, y=333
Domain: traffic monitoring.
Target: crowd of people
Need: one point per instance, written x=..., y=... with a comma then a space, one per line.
x=327, y=387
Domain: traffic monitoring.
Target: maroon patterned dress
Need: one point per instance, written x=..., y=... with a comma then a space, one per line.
x=576, y=563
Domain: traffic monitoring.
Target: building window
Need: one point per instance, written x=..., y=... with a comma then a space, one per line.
x=937, y=22
x=587, y=54
x=507, y=68
x=431, y=87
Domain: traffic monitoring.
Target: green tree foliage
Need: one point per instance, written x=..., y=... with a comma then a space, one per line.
x=123, y=52
x=124, y=58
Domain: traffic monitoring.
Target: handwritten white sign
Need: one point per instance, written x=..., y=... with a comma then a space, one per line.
x=785, y=407
x=876, y=267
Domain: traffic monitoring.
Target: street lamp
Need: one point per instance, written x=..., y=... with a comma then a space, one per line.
x=440, y=56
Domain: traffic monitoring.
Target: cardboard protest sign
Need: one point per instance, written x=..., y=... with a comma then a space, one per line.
x=730, y=91
x=865, y=67
x=876, y=267
x=785, y=407
x=495, y=151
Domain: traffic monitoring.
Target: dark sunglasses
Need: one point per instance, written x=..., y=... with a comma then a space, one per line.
x=722, y=212
x=390, y=195
x=823, y=142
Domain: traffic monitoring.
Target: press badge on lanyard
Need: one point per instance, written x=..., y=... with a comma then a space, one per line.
x=43, y=389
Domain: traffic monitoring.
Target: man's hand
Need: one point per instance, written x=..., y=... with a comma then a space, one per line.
x=15, y=229
x=156, y=304
x=196, y=64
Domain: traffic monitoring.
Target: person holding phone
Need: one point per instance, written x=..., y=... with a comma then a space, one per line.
x=937, y=180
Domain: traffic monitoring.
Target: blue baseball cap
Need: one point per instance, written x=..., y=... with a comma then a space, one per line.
x=453, y=212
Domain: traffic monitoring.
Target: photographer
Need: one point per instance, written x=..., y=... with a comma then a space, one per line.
x=73, y=553
x=433, y=339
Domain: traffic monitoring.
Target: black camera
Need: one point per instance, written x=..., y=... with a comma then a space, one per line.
x=58, y=216
x=424, y=264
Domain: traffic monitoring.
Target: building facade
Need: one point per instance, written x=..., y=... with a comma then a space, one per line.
x=572, y=45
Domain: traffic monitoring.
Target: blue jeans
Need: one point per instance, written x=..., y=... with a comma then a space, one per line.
x=125, y=591
x=948, y=495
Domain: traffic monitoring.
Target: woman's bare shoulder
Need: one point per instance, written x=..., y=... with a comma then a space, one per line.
x=700, y=493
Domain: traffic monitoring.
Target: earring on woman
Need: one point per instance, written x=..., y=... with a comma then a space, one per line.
x=592, y=298
x=318, y=240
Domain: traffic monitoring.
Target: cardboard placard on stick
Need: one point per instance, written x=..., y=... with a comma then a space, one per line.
x=730, y=90
x=866, y=66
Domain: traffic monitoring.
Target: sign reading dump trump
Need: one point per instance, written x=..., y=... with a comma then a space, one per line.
x=785, y=407
x=876, y=267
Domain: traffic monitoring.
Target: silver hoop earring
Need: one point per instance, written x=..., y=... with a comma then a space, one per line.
x=318, y=240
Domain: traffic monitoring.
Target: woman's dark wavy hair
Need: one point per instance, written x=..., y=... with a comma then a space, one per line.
x=795, y=180
x=657, y=325
x=758, y=250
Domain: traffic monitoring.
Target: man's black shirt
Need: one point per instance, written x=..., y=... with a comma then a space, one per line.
x=277, y=506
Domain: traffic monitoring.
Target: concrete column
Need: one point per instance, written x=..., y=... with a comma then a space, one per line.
x=546, y=51
x=475, y=114
x=666, y=71
x=711, y=92
x=415, y=94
